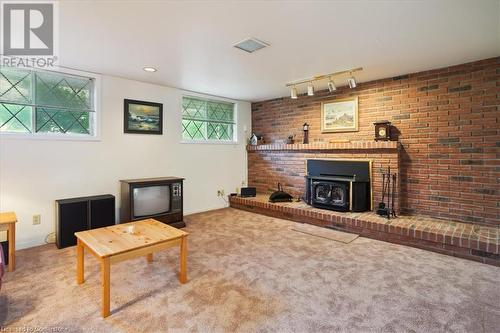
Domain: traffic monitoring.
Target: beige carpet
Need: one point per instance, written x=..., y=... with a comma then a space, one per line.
x=250, y=273
x=315, y=231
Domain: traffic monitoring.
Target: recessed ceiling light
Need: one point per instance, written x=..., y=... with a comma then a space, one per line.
x=250, y=45
x=149, y=69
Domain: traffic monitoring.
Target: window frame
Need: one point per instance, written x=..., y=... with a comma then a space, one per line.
x=234, y=141
x=96, y=123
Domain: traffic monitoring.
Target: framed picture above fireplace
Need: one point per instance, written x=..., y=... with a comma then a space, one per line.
x=340, y=115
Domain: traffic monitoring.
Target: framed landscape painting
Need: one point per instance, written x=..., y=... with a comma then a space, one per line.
x=340, y=116
x=142, y=117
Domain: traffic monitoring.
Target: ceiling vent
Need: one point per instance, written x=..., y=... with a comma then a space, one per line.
x=250, y=45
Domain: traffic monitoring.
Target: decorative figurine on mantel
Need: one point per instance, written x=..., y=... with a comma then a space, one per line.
x=253, y=140
x=290, y=139
x=305, y=127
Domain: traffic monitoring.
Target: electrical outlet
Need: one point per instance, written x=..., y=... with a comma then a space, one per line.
x=37, y=219
x=220, y=193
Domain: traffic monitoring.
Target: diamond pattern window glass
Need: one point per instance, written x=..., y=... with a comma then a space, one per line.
x=15, y=85
x=205, y=120
x=42, y=102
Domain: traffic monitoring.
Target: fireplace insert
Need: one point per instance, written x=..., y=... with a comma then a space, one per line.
x=330, y=194
x=339, y=185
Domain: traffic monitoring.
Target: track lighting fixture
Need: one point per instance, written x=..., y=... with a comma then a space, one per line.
x=351, y=81
x=331, y=86
x=310, y=89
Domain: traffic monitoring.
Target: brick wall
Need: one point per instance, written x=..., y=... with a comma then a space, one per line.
x=448, y=124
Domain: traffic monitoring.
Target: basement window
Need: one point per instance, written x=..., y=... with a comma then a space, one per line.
x=42, y=104
x=208, y=121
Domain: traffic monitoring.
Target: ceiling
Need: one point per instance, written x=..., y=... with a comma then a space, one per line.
x=190, y=43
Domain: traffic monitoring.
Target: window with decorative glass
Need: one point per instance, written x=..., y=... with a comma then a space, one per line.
x=41, y=103
x=207, y=120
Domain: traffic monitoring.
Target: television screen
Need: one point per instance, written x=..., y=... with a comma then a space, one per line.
x=151, y=200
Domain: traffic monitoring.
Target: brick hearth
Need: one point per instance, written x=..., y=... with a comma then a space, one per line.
x=479, y=243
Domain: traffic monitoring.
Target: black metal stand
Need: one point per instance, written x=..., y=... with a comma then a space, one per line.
x=388, y=191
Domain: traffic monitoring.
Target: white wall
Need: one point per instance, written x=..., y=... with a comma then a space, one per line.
x=34, y=173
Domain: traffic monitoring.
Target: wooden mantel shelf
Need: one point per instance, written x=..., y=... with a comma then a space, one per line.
x=353, y=145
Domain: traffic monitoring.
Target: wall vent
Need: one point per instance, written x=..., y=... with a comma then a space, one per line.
x=250, y=45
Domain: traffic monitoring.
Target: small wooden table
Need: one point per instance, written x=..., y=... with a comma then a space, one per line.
x=8, y=222
x=116, y=243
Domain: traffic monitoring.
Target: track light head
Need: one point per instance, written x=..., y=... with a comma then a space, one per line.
x=310, y=89
x=293, y=93
x=331, y=86
x=352, y=82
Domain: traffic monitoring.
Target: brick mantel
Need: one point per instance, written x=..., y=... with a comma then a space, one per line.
x=318, y=146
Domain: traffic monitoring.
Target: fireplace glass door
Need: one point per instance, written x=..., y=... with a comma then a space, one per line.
x=331, y=195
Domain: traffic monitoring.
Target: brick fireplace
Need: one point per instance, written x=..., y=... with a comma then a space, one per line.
x=445, y=153
x=286, y=163
x=446, y=121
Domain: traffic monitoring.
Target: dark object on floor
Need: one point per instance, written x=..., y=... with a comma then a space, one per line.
x=387, y=191
x=78, y=214
x=280, y=195
x=248, y=192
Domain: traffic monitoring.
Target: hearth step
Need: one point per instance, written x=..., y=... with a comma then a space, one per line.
x=479, y=243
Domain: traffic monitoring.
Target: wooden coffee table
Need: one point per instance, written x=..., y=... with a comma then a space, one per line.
x=8, y=222
x=116, y=243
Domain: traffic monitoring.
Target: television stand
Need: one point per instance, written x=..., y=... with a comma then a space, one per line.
x=157, y=198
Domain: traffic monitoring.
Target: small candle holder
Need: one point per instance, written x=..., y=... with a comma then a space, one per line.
x=305, y=128
x=131, y=229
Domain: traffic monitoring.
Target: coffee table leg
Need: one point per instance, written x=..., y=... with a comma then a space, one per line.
x=105, y=287
x=79, y=261
x=12, y=246
x=149, y=257
x=183, y=273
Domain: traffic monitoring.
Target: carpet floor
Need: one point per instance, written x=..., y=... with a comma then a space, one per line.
x=251, y=273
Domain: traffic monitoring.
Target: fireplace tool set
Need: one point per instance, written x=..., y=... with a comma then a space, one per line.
x=388, y=191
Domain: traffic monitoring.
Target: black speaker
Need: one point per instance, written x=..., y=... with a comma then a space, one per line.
x=102, y=212
x=248, y=192
x=78, y=214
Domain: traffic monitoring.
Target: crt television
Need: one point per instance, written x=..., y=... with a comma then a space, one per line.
x=151, y=200
x=158, y=198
